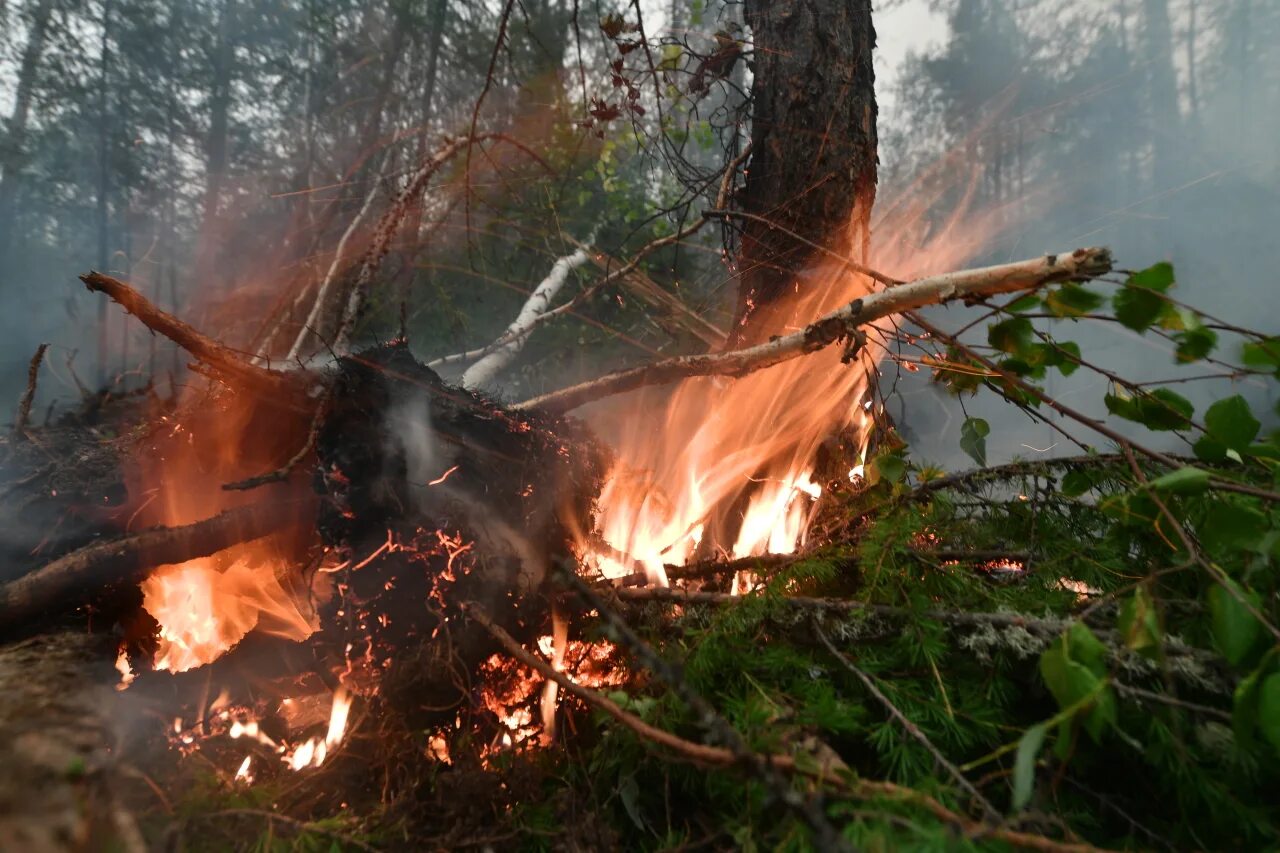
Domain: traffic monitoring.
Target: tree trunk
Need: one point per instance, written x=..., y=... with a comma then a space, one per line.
x=216, y=144
x=386, y=81
x=11, y=156
x=1162, y=90
x=436, y=21
x=813, y=162
x=104, y=182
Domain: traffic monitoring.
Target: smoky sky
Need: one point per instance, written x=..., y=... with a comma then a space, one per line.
x=1072, y=138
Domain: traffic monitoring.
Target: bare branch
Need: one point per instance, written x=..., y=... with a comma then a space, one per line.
x=335, y=267
x=539, y=302
x=224, y=361
x=838, y=325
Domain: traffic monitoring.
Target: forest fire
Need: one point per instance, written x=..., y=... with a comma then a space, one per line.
x=737, y=458
x=734, y=470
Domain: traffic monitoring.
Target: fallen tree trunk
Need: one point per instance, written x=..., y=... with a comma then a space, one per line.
x=72, y=579
x=840, y=324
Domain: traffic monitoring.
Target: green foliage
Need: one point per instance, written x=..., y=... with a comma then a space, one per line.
x=1070, y=300
x=1236, y=630
x=1125, y=659
x=1141, y=301
x=1159, y=410
x=1230, y=427
x=973, y=439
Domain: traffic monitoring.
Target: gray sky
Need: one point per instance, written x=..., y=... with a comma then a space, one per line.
x=908, y=27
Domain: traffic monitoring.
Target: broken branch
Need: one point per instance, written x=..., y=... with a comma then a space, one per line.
x=838, y=325
x=228, y=364
x=539, y=302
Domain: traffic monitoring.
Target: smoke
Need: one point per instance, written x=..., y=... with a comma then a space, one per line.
x=1098, y=124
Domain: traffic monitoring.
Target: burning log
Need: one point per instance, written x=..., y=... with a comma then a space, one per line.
x=439, y=495
x=82, y=574
x=842, y=324
x=429, y=495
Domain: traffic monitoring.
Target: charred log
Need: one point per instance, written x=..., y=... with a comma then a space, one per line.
x=438, y=496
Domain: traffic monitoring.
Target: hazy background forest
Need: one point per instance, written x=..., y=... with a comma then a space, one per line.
x=204, y=148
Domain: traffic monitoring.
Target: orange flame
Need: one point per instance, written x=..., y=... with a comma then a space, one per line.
x=203, y=611
x=207, y=605
x=748, y=446
x=312, y=753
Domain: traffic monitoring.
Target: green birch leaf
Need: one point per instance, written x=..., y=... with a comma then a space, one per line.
x=1024, y=765
x=973, y=439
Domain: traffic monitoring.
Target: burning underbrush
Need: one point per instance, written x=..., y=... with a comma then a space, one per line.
x=338, y=647
x=363, y=603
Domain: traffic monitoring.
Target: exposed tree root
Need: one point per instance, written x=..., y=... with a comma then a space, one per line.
x=24, y=406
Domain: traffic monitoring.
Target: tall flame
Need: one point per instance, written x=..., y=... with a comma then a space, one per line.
x=746, y=448
x=207, y=605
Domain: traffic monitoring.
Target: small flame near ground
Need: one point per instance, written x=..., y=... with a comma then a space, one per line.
x=310, y=753
x=203, y=609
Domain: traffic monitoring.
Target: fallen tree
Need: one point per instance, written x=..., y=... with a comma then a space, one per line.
x=79, y=577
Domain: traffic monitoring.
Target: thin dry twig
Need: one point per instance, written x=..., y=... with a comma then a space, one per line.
x=1097, y=426
x=1214, y=571
x=282, y=473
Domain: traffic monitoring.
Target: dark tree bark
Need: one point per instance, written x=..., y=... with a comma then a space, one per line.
x=436, y=21
x=813, y=162
x=15, y=136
